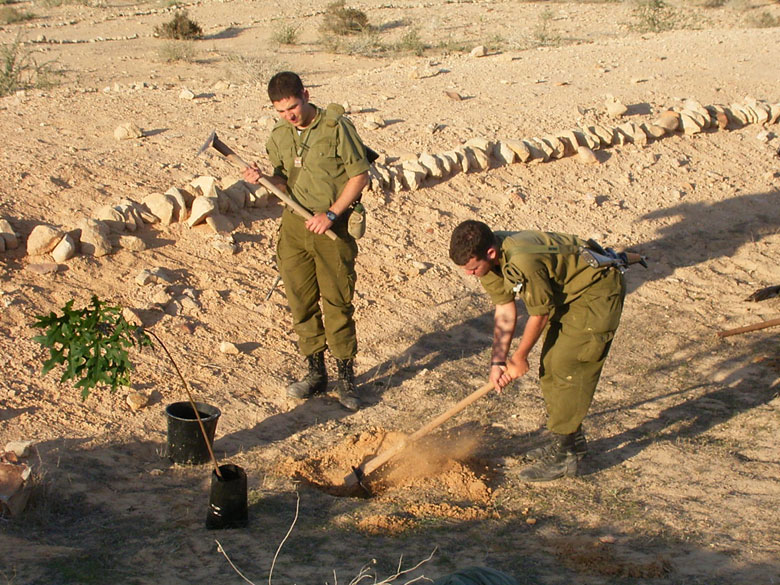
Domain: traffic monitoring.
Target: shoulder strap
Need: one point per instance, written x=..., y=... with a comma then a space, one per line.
x=333, y=114
x=542, y=249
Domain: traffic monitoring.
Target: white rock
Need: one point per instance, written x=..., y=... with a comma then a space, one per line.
x=503, y=154
x=186, y=94
x=220, y=224
x=43, y=240
x=136, y=400
x=19, y=448
x=127, y=131
x=132, y=243
x=132, y=317
x=431, y=165
x=413, y=179
x=205, y=186
x=112, y=217
x=229, y=348
x=164, y=207
x=478, y=51
x=64, y=250
x=202, y=207
x=237, y=192
x=8, y=235
x=615, y=108
x=94, y=238
x=224, y=244
x=520, y=148
x=586, y=156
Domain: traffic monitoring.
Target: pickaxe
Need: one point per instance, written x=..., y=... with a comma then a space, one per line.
x=227, y=152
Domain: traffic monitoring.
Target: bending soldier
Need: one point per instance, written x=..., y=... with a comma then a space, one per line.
x=319, y=159
x=578, y=304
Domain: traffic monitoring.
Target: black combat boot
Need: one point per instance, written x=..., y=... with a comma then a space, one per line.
x=550, y=446
x=345, y=385
x=314, y=382
x=562, y=462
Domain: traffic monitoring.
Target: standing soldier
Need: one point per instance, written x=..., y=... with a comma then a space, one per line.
x=320, y=161
x=578, y=304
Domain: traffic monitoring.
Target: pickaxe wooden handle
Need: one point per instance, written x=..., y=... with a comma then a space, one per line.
x=227, y=152
x=358, y=473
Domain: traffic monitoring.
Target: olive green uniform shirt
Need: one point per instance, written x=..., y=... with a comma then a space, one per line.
x=545, y=268
x=330, y=152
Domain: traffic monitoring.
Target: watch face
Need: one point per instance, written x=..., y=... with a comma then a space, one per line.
x=330, y=215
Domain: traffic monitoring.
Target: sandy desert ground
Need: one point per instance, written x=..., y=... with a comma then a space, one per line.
x=683, y=479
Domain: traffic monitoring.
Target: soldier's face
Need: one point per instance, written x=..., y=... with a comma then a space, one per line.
x=295, y=110
x=479, y=268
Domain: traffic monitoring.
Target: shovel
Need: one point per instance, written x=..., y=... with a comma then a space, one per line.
x=359, y=473
x=223, y=149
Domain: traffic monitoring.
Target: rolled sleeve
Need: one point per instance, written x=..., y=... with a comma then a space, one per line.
x=538, y=294
x=495, y=288
x=351, y=150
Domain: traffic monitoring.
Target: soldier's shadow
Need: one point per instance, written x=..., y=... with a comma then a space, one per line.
x=428, y=351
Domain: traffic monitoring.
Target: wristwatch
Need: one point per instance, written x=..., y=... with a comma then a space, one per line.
x=331, y=216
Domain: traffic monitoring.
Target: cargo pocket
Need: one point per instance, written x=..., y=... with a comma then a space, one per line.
x=595, y=347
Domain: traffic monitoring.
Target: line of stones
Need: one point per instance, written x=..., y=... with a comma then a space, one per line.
x=479, y=154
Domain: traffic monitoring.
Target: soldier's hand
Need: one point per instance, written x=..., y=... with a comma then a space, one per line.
x=495, y=377
x=318, y=223
x=252, y=174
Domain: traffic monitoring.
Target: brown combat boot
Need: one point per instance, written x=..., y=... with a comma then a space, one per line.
x=315, y=381
x=345, y=385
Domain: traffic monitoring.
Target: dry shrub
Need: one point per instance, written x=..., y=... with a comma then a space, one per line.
x=763, y=20
x=178, y=51
x=286, y=34
x=340, y=20
x=180, y=27
x=20, y=70
x=654, y=16
x=10, y=15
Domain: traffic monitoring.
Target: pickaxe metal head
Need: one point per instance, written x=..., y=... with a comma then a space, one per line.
x=208, y=143
x=222, y=148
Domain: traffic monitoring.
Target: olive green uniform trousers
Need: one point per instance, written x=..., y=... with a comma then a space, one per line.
x=319, y=280
x=575, y=347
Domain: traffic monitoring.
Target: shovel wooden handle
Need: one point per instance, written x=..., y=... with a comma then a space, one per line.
x=353, y=478
x=298, y=208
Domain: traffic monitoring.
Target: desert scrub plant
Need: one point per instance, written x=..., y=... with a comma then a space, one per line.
x=180, y=27
x=341, y=20
x=173, y=51
x=91, y=344
x=544, y=35
x=10, y=15
x=287, y=34
x=19, y=69
x=653, y=16
x=763, y=20
x=411, y=42
x=251, y=70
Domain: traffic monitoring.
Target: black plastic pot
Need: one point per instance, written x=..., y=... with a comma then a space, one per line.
x=227, y=498
x=185, y=439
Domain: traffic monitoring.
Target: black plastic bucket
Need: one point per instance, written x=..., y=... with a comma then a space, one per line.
x=227, y=498
x=185, y=439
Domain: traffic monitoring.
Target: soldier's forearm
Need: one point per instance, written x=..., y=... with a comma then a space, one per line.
x=503, y=330
x=349, y=194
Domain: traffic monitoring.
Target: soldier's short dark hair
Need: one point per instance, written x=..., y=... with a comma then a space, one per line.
x=285, y=84
x=471, y=239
